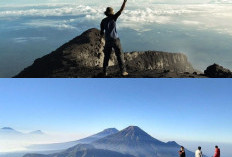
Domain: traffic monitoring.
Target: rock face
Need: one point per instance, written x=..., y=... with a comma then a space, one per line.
x=83, y=57
x=217, y=71
x=152, y=60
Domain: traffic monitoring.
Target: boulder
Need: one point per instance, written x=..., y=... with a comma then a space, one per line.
x=217, y=71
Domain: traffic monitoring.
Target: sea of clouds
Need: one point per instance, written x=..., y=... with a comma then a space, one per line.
x=201, y=16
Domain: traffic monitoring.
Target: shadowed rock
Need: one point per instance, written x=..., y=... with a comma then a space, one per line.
x=217, y=71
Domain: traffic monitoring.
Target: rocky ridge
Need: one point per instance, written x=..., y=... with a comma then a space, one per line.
x=82, y=57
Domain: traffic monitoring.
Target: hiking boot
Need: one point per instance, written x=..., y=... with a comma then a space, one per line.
x=105, y=74
x=125, y=73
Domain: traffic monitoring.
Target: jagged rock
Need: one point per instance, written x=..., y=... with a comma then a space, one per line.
x=83, y=57
x=217, y=71
x=153, y=60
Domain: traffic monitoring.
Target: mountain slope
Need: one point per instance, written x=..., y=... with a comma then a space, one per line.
x=9, y=131
x=83, y=57
x=82, y=150
x=135, y=141
x=65, y=145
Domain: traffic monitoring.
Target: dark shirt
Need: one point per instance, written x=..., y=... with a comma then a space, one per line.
x=108, y=25
x=182, y=153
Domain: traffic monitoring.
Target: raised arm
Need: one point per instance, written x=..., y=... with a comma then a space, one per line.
x=123, y=6
x=120, y=11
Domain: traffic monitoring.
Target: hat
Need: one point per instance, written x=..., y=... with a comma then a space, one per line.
x=109, y=11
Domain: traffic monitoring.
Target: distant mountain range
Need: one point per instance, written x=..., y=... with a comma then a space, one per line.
x=12, y=132
x=82, y=150
x=8, y=130
x=137, y=142
x=129, y=142
x=65, y=145
x=37, y=132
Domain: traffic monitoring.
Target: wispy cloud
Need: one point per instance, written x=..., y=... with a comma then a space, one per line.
x=25, y=39
x=221, y=1
x=57, y=24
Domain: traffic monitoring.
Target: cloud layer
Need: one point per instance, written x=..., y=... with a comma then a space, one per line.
x=204, y=16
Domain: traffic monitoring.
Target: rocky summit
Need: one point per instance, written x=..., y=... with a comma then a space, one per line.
x=82, y=57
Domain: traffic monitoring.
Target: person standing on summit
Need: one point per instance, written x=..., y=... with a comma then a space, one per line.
x=217, y=152
x=108, y=25
x=198, y=152
x=182, y=152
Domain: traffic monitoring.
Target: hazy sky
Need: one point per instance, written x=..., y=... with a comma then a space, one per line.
x=177, y=109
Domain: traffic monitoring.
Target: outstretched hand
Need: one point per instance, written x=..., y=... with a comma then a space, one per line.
x=123, y=5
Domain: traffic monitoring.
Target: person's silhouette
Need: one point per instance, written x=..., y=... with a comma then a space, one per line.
x=198, y=152
x=108, y=28
x=217, y=152
x=182, y=152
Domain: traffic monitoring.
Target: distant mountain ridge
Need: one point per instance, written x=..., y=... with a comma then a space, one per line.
x=129, y=142
x=82, y=150
x=132, y=134
x=65, y=145
x=137, y=142
x=9, y=130
x=37, y=132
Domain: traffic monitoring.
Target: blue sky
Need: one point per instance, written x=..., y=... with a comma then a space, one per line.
x=182, y=109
